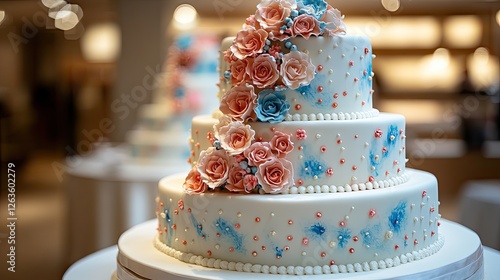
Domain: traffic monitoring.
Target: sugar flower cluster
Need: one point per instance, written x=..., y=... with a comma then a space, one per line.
x=238, y=163
x=263, y=63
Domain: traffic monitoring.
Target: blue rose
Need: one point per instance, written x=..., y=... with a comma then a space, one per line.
x=271, y=106
x=315, y=8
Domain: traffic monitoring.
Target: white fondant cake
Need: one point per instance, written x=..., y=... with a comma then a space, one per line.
x=300, y=170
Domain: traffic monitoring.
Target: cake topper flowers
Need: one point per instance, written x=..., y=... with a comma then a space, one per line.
x=262, y=63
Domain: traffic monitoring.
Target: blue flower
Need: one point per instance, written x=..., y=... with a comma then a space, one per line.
x=271, y=106
x=316, y=8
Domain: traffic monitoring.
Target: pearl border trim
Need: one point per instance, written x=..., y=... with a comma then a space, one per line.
x=300, y=270
x=333, y=116
x=403, y=178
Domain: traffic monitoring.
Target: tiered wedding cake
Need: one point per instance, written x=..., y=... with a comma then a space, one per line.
x=300, y=174
x=184, y=90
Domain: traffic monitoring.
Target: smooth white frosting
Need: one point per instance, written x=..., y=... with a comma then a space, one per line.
x=301, y=231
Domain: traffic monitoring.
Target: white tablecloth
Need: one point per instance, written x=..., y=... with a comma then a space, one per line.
x=108, y=194
x=480, y=210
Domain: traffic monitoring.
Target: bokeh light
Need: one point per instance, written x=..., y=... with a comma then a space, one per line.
x=390, y=5
x=101, y=43
x=2, y=16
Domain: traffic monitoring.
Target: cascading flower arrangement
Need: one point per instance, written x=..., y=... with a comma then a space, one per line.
x=263, y=63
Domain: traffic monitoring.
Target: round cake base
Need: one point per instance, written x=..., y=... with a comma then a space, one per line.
x=461, y=257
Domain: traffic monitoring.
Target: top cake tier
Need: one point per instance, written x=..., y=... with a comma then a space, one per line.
x=295, y=59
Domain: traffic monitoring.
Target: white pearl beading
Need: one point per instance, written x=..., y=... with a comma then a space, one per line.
x=333, y=116
x=300, y=270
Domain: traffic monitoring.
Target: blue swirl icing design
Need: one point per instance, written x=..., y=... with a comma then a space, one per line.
x=310, y=92
x=343, y=236
x=228, y=232
x=316, y=231
x=372, y=237
x=198, y=226
x=365, y=83
x=398, y=217
x=169, y=223
x=311, y=166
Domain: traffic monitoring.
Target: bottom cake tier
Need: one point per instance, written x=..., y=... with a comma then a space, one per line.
x=355, y=230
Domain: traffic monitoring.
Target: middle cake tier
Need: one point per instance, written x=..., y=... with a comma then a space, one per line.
x=331, y=156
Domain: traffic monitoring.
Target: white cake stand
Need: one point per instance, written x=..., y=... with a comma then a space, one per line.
x=460, y=258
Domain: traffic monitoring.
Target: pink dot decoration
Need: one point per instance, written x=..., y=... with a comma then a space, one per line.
x=341, y=224
x=320, y=67
x=336, y=95
x=256, y=238
x=342, y=161
x=305, y=241
x=415, y=242
x=290, y=222
x=237, y=226
x=323, y=254
x=351, y=63
x=320, y=100
x=387, y=173
x=209, y=252
x=231, y=249
x=329, y=171
x=339, y=141
x=298, y=107
x=334, y=104
x=323, y=149
x=289, y=238
x=371, y=179
x=356, y=136
x=372, y=213
x=424, y=193
x=318, y=215
x=367, y=50
x=356, y=79
x=344, y=93
x=378, y=133
x=354, y=167
x=254, y=253
x=257, y=219
x=355, y=239
x=320, y=88
x=351, y=250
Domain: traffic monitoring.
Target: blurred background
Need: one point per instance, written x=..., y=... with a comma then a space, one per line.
x=82, y=82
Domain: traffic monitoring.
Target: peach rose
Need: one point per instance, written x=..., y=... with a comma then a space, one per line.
x=305, y=25
x=258, y=153
x=235, y=179
x=239, y=71
x=229, y=56
x=281, y=144
x=223, y=121
x=250, y=182
x=273, y=12
x=334, y=21
x=296, y=69
x=236, y=137
x=275, y=175
x=249, y=42
x=213, y=166
x=239, y=103
x=193, y=183
x=271, y=16
x=263, y=71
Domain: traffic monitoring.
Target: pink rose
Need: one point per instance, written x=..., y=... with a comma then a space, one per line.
x=235, y=179
x=263, y=71
x=239, y=71
x=251, y=22
x=213, y=166
x=297, y=69
x=334, y=21
x=274, y=51
x=275, y=175
x=306, y=26
x=258, y=153
x=239, y=103
x=249, y=182
x=236, y=137
x=249, y=42
x=193, y=183
x=281, y=144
